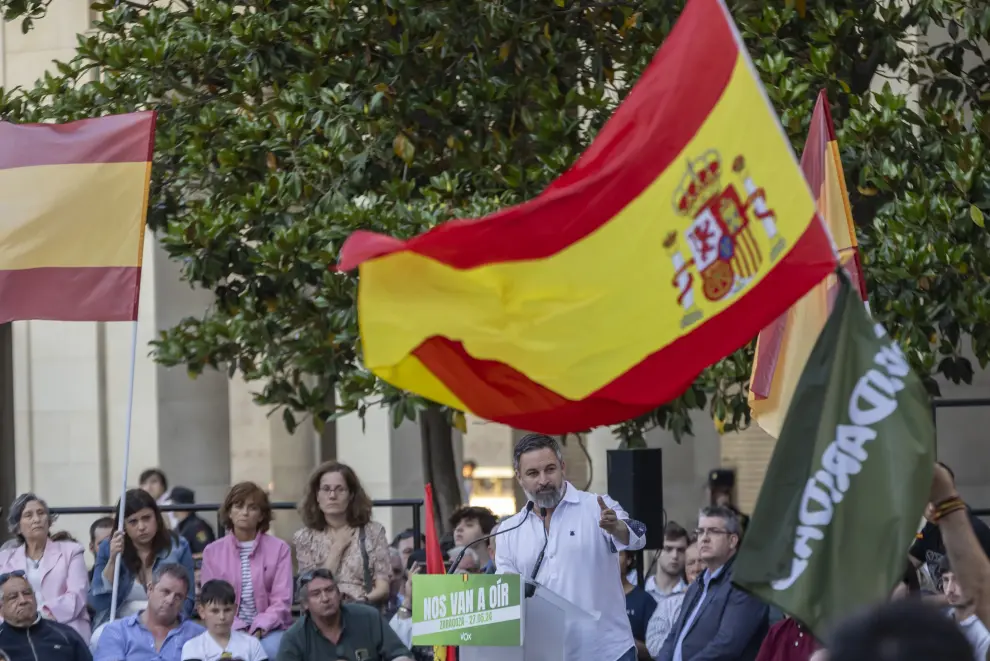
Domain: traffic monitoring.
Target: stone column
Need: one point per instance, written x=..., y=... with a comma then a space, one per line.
x=263, y=451
x=193, y=416
x=145, y=419
x=388, y=461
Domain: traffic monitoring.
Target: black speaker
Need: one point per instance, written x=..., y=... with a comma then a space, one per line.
x=635, y=479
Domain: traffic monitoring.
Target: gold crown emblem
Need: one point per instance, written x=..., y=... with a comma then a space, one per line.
x=699, y=184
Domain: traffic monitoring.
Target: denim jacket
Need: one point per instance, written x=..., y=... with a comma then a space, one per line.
x=99, y=590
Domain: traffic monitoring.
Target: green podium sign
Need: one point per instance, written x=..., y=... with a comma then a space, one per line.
x=467, y=610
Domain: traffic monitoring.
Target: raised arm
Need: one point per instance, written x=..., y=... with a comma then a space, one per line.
x=966, y=556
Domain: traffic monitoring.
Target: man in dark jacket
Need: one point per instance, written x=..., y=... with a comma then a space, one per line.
x=25, y=635
x=718, y=622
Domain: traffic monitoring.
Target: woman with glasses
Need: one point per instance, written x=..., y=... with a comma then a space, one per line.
x=145, y=544
x=56, y=570
x=258, y=565
x=340, y=536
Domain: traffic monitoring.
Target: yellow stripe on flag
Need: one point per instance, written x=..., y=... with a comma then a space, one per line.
x=411, y=370
x=89, y=215
x=511, y=312
x=836, y=209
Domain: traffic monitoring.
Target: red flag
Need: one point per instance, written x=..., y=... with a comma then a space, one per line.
x=434, y=564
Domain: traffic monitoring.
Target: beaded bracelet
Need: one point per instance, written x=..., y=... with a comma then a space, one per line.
x=948, y=506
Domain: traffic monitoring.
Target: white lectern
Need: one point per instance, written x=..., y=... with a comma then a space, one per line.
x=546, y=617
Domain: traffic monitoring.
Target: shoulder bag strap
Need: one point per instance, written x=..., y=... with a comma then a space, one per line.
x=368, y=582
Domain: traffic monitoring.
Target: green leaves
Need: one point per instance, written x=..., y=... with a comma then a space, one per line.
x=286, y=126
x=976, y=215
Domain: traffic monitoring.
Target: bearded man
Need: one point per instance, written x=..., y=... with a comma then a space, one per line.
x=567, y=541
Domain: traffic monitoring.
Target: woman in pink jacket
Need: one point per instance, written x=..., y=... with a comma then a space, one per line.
x=258, y=565
x=55, y=569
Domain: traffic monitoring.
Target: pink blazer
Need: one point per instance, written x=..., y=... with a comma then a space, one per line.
x=64, y=581
x=271, y=578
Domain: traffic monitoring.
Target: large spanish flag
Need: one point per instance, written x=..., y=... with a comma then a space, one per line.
x=73, y=203
x=783, y=347
x=684, y=229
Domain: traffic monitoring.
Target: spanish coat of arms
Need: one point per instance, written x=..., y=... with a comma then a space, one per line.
x=722, y=250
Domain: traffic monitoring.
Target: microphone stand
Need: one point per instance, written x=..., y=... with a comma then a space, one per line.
x=460, y=556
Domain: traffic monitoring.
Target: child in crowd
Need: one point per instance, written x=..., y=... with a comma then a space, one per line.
x=216, y=609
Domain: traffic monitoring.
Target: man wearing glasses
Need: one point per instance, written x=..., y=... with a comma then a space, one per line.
x=25, y=635
x=718, y=622
x=330, y=630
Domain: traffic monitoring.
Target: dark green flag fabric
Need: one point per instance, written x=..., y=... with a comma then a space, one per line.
x=849, y=478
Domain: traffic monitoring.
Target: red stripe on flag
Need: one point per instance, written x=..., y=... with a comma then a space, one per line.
x=113, y=139
x=434, y=556
x=767, y=355
x=497, y=392
x=855, y=271
x=633, y=148
x=98, y=293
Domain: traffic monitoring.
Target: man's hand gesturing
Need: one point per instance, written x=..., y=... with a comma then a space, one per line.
x=609, y=522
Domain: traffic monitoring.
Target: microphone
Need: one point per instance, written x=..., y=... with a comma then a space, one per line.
x=460, y=556
x=530, y=588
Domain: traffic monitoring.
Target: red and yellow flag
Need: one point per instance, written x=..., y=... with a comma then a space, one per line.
x=73, y=204
x=434, y=565
x=784, y=346
x=684, y=229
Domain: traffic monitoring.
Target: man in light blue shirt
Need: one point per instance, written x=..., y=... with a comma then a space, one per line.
x=718, y=622
x=156, y=633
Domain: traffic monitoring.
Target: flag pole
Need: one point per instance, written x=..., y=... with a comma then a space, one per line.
x=127, y=461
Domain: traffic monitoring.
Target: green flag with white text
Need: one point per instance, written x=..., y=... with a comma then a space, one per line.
x=849, y=478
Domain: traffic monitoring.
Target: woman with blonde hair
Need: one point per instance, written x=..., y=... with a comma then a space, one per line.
x=339, y=535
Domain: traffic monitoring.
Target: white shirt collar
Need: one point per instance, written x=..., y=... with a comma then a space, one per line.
x=653, y=588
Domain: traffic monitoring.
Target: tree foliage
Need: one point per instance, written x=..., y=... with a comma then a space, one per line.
x=285, y=126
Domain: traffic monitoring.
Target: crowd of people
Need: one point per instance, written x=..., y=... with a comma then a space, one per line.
x=185, y=595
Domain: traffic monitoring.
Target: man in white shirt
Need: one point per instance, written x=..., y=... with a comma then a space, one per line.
x=669, y=608
x=582, y=533
x=963, y=611
x=668, y=581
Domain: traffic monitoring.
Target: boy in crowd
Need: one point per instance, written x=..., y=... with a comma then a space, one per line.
x=470, y=524
x=217, y=606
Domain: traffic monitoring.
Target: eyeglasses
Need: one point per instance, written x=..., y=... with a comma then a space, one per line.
x=337, y=491
x=705, y=532
x=17, y=573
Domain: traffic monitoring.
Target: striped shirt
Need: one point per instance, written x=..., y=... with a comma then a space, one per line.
x=247, y=610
